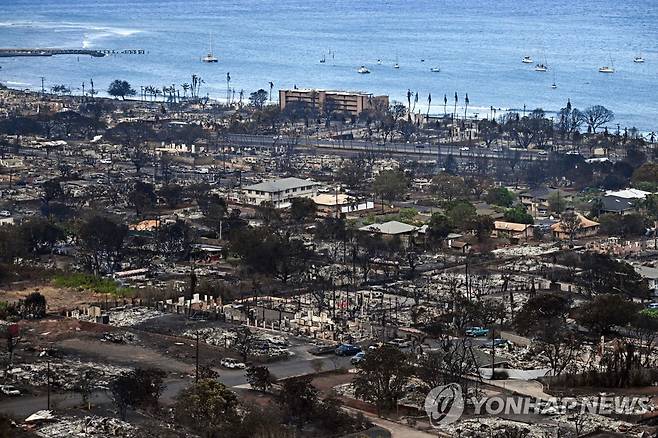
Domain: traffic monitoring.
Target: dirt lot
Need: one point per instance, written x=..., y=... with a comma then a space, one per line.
x=57, y=299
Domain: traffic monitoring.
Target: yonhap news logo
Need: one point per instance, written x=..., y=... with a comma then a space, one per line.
x=445, y=405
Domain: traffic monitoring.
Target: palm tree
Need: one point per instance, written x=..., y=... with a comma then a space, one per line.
x=429, y=104
x=445, y=104
x=409, y=104
x=228, y=88
x=454, y=113
x=186, y=87
x=271, y=86
x=466, y=106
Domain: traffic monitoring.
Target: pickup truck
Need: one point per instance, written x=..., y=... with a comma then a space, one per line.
x=475, y=332
x=347, y=350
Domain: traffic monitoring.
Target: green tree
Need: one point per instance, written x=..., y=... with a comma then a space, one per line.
x=140, y=388
x=142, y=197
x=299, y=399
x=539, y=310
x=605, y=312
x=439, y=227
x=208, y=407
x=381, y=378
x=302, y=209
x=483, y=226
x=172, y=194
x=518, y=215
x=390, y=185
x=33, y=306
x=258, y=98
x=556, y=202
x=646, y=176
x=500, y=196
x=101, y=242
x=462, y=215
x=260, y=378
x=448, y=187
x=119, y=88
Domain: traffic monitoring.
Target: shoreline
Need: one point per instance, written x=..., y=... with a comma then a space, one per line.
x=419, y=108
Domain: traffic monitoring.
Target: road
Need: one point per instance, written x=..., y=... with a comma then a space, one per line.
x=413, y=149
x=299, y=364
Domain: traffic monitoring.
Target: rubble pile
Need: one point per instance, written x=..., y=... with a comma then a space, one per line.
x=87, y=427
x=526, y=251
x=488, y=427
x=120, y=338
x=64, y=374
x=212, y=336
x=130, y=316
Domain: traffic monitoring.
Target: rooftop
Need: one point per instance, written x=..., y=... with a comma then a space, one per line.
x=510, y=226
x=320, y=90
x=391, y=227
x=279, y=185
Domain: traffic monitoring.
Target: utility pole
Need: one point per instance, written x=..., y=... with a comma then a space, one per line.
x=48, y=381
x=196, y=378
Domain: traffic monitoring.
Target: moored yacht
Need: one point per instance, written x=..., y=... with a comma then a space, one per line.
x=363, y=70
x=541, y=67
x=210, y=58
x=435, y=69
x=606, y=69
x=638, y=59
x=526, y=60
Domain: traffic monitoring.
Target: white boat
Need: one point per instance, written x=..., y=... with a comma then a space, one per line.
x=396, y=65
x=526, y=60
x=210, y=58
x=638, y=59
x=379, y=61
x=435, y=69
x=363, y=70
x=554, y=86
x=541, y=67
x=608, y=68
x=323, y=60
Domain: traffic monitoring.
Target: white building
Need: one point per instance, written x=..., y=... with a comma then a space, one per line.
x=280, y=191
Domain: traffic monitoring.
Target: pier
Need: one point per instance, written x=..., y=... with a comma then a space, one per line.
x=96, y=53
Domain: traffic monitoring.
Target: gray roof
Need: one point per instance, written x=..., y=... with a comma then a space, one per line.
x=617, y=204
x=647, y=272
x=392, y=227
x=279, y=185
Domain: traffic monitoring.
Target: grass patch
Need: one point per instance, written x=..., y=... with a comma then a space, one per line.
x=92, y=283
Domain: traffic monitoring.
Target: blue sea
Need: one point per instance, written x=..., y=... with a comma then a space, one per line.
x=478, y=44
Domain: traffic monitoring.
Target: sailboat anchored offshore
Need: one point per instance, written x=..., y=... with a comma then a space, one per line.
x=210, y=58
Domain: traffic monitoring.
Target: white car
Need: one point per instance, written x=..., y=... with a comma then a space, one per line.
x=464, y=148
x=232, y=364
x=5, y=213
x=400, y=343
x=9, y=390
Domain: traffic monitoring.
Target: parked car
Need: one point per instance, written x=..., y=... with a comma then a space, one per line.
x=232, y=364
x=9, y=390
x=464, y=148
x=347, y=350
x=400, y=343
x=652, y=306
x=358, y=357
x=475, y=332
x=5, y=213
x=497, y=343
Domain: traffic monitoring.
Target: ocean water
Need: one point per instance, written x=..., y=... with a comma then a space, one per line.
x=478, y=44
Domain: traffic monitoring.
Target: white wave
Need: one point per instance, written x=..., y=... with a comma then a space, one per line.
x=92, y=33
